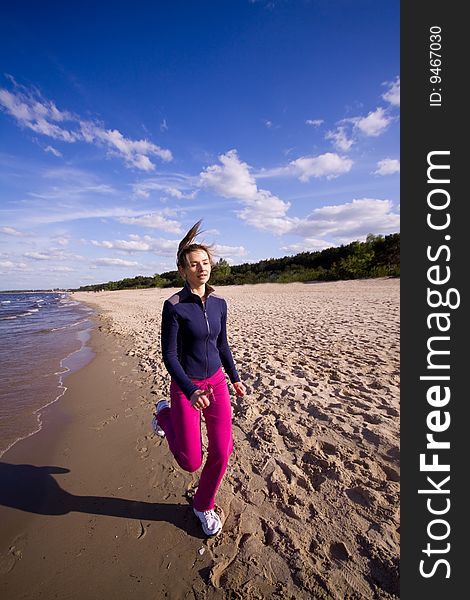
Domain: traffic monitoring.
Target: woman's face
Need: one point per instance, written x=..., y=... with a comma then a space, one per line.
x=197, y=269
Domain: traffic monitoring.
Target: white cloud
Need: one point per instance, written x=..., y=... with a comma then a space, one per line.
x=78, y=177
x=152, y=221
x=340, y=138
x=232, y=179
x=41, y=116
x=52, y=254
x=307, y=245
x=175, y=193
x=7, y=264
x=257, y=216
x=38, y=255
x=226, y=251
x=327, y=165
x=125, y=245
x=61, y=269
x=69, y=213
x=141, y=193
x=15, y=268
x=53, y=151
x=176, y=186
x=11, y=231
x=314, y=122
x=392, y=95
x=68, y=202
x=134, y=152
x=166, y=248
x=260, y=208
x=158, y=246
x=268, y=124
x=343, y=223
x=62, y=241
x=35, y=114
x=387, y=166
x=137, y=243
x=374, y=124
x=118, y=262
x=70, y=192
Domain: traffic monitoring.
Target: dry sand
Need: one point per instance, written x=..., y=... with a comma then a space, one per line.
x=311, y=494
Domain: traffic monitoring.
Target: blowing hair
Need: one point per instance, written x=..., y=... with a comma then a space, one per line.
x=188, y=245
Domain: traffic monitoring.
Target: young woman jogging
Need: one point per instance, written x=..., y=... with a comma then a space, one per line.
x=194, y=348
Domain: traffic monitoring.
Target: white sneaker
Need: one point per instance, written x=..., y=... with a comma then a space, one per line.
x=210, y=521
x=159, y=406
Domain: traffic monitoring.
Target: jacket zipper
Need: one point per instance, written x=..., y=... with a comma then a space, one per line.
x=207, y=338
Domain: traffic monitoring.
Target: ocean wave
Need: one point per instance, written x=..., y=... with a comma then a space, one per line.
x=61, y=373
x=38, y=414
x=28, y=313
x=69, y=325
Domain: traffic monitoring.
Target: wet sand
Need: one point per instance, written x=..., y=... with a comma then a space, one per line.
x=95, y=506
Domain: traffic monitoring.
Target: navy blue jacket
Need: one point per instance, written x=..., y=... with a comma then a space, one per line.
x=194, y=338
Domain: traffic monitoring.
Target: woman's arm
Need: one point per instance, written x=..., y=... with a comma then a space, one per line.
x=224, y=349
x=169, y=339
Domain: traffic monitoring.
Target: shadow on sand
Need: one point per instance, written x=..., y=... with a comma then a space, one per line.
x=34, y=490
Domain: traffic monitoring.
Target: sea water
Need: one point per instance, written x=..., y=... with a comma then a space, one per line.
x=43, y=338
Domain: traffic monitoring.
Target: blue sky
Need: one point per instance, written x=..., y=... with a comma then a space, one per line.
x=123, y=123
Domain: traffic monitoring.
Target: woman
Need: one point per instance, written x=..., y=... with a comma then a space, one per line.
x=194, y=347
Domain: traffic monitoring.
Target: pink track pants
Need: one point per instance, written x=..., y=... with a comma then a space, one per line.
x=182, y=426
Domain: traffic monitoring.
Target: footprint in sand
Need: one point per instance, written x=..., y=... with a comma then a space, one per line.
x=315, y=412
x=292, y=438
x=328, y=448
x=339, y=551
x=142, y=446
x=371, y=437
x=135, y=529
x=373, y=419
x=362, y=496
x=393, y=453
x=264, y=430
x=392, y=474
x=14, y=553
x=106, y=422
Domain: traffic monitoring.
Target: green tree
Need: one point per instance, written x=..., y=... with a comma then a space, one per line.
x=159, y=281
x=221, y=272
x=378, y=256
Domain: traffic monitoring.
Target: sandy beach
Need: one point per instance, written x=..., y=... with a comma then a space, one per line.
x=94, y=506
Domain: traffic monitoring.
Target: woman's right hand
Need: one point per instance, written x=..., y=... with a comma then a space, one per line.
x=199, y=400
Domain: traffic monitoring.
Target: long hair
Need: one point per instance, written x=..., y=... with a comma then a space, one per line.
x=187, y=245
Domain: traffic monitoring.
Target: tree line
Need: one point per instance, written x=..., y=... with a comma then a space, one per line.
x=378, y=256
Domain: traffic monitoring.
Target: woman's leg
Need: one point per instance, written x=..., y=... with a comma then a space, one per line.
x=218, y=417
x=182, y=426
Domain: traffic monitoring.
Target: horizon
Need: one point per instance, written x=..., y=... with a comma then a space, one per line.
x=175, y=270
x=274, y=122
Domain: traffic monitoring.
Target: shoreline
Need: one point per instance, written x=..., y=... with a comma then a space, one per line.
x=316, y=442
x=86, y=485
x=76, y=360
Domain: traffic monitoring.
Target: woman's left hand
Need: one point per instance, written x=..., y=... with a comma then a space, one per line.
x=240, y=389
